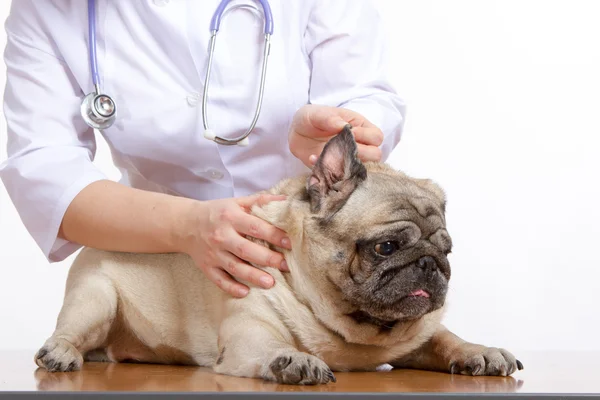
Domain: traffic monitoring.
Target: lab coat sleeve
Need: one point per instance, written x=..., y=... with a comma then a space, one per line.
x=50, y=149
x=345, y=42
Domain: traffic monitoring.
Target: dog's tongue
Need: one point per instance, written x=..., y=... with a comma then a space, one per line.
x=419, y=293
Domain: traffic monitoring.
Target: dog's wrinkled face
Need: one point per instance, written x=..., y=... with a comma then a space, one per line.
x=397, y=266
x=381, y=238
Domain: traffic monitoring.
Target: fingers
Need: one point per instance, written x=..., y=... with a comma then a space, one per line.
x=365, y=153
x=260, y=229
x=255, y=253
x=226, y=252
x=369, y=153
x=326, y=119
x=230, y=238
x=259, y=199
x=368, y=139
x=231, y=268
x=246, y=272
x=225, y=282
x=370, y=135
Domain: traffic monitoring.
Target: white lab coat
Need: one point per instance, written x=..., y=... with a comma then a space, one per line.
x=152, y=59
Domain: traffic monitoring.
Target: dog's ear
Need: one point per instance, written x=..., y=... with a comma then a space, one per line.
x=336, y=174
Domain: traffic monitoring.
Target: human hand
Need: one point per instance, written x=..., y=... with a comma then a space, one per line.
x=313, y=126
x=214, y=238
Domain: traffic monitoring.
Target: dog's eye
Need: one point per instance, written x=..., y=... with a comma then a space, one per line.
x=386, y=248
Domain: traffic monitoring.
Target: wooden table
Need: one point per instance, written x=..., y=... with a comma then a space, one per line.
x=552, y=372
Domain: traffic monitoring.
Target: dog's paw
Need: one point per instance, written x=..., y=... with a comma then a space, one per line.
x=58, y=355
x=300, y=369
x=472, y=359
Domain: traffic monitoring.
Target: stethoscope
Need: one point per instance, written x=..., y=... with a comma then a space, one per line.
x=99, y=110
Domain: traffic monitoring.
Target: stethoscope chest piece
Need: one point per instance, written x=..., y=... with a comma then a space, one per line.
x=98, y=110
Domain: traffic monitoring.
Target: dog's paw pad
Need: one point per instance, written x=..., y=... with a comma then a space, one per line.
x=58, y=355
x=480, y=360
x=300, y=369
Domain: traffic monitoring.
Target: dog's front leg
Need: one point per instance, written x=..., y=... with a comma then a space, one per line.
x=447, y=352
x=258, y=347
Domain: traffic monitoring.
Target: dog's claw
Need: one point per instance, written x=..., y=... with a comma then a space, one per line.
x=519, y=365
x=453, y=368
x=71, y=366
x=331, y=376
x=283, y=362
x=41, y=353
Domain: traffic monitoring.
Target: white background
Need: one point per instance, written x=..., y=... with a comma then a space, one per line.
x=503, y=101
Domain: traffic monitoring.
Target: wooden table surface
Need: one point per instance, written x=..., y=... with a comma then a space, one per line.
x=550, y=372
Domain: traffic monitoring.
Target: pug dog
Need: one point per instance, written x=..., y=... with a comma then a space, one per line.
x=367, y=285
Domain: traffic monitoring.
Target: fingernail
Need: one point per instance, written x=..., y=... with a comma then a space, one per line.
x=342, y=123
x=284, y=266
x=266, y=281
x=242, y=292
x=285, y=242
x=312, y=159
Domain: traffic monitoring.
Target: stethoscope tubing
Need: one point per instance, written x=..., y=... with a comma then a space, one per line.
x=92, y=44
x=99, y=110
x=239, y=140
x=215, y=22
x=214, y=27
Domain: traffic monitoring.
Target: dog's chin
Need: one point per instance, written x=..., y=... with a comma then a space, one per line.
x=406, y=308
x=408, y=296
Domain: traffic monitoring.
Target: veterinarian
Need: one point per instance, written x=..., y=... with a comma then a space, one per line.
x=191, y=160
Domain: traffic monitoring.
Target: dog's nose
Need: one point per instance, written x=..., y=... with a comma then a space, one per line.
x=428, y=263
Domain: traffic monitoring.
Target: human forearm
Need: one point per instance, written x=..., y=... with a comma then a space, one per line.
x=110, y=216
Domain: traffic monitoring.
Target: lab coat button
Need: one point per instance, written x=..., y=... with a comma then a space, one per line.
x=161, y=3
x=215, y=174
x=193, y=99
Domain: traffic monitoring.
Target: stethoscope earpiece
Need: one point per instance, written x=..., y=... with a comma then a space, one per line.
x=211, y=135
